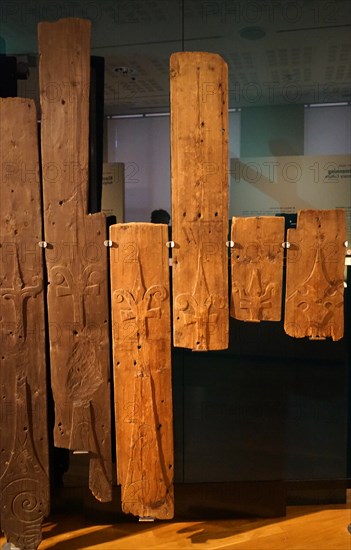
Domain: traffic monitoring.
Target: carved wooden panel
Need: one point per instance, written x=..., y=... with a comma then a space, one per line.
x=142, y=368
x=24, y=483
x=76, y=257
x=257, y=268
x=199, y=154
x=314, y=304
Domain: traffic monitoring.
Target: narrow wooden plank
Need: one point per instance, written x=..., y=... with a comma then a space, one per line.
x=199, y=154
x=24, y=469
x=257, y=268
x=142, y=368
x=76, y=257
x=314, y=304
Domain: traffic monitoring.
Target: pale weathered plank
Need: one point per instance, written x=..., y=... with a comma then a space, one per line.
x=314, y=304
x=76, y=257
x=142, y=368
x=199, y=154
x=24, y=482
x=257, y=268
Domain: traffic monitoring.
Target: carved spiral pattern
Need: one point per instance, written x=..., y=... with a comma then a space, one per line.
x=58, y=277
x=27, y=500
x=184, y=301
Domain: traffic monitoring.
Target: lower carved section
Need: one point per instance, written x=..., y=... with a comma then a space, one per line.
x=24, y=484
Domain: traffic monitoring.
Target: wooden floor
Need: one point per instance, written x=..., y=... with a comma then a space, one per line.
x=304, y=528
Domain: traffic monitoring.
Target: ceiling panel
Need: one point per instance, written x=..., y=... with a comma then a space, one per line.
x=278, y=51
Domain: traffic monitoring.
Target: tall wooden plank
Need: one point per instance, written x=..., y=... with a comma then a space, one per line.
x=314, y=304
x=142, y=368
x=257, y=268
x=76, y=257
x=199, y=159
x=24, y=482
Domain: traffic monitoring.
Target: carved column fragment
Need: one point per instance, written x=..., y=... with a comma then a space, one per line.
x=142, y=368
x=257, y=268
x=24, y=483
x=314, y=304
x=76, y=258
x=199, y=154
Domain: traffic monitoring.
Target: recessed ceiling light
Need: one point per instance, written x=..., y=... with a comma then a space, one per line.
x=252, y=33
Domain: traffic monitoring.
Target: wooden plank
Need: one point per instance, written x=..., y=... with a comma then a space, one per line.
x=24, y=482
x=76, y=257
x=314, y=304
x=199, y=153
x=257, y=268
x=142, y=368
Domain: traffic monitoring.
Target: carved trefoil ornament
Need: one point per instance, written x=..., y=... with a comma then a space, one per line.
x=257, y=268
x=314, y=304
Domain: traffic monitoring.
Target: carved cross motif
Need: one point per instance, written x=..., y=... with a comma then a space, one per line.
x=19, y=293
x=195, y=308
x=88, y=283
x=318, y=298
x=138, y=301
x=254, y=298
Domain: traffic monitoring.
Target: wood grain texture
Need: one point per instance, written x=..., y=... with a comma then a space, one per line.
x=142, y=368
x=303, y=528
x=257, y=268
x=199, y=155
x=76, y=258
x=24, y=482
x=314, y=304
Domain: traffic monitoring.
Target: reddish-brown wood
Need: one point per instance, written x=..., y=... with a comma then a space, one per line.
x=199, y=153
x=314, y=304
x=257, y=268
x=76, y=257
x=142, y=368
x=24, y=483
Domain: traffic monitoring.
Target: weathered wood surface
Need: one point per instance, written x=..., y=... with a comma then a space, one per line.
x=76, y=257
x=257, y=268
x=314, y=304
x=199, y=156
x=142, y=368
x=24, y=482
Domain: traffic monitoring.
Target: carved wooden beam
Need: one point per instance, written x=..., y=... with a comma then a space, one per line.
x=314, y=303
x=76, y=258
x=257, y=268
x=199, y=154
x=24, y=482
x=142, y=368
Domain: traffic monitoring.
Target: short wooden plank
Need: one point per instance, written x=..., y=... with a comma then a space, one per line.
x=314, y=304
x=199, y=156
x=257, y=268
x=142, y=368
x=24, y=468
x=76, y=258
